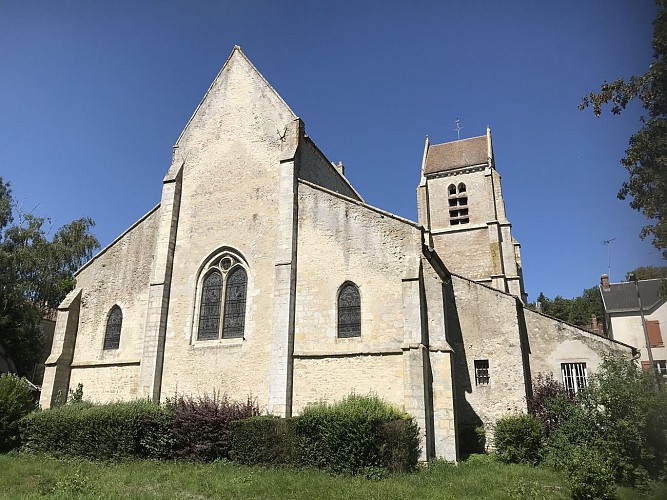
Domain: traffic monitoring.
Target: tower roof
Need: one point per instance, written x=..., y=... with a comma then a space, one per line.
x=457, y=154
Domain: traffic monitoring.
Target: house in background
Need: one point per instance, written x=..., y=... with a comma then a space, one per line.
x=623, y=317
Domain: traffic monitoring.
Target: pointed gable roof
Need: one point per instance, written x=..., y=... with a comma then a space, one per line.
x=236, y=57
x=457, y=154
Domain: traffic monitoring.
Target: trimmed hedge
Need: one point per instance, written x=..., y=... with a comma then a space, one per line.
x=353, y=435
x=100, y=432
x=16, y=401
x=261, y=440
x=348, y=435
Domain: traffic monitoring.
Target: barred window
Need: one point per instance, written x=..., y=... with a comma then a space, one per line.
x=114, y=324
x=349, y=311
x=481, y=371
x=222, y=299
x=458, y=204
x=234, y=320
x=574, y=377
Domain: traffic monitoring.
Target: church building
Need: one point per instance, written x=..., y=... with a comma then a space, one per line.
x=262, y=272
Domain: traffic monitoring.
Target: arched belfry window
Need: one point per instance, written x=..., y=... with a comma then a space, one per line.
x=112, y=332
x=458, y=204
x=222, y=299
x=349, y=311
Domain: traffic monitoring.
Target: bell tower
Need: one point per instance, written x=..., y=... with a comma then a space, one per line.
x=460, y=205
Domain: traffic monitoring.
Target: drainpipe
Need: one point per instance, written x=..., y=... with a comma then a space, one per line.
x=633, y=277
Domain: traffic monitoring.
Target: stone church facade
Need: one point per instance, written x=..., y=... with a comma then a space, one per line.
x=263, y=272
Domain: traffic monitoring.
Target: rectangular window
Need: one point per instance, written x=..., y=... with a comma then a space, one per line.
x=654, y=335
x=660, y=367
x=574, y=376
x=481, y=371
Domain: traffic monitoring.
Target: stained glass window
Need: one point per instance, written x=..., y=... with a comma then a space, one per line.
x=234, y=320
x=209, y=312
x=112, y=333
x=349, y=312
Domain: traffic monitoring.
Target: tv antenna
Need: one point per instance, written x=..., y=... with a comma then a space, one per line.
x=458, y=129
x=607, y=243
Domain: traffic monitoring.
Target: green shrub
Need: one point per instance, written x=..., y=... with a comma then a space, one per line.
x=157, y=436
x=16, y=401
x=93, y=431
x=200, y=426
x=260, y=440
x=518, y=438
x=351, y=435
x=590, y=477
x=622, y=415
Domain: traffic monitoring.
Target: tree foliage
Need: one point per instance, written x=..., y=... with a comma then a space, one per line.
x=646, y=157
x=577, y=311
x=35, y=274
x=648, y=273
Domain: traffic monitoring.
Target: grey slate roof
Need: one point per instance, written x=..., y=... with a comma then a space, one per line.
x=622, y=297
x=457, y=154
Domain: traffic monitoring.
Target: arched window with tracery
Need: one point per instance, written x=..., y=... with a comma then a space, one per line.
x=349, y=311
x=222, y=298
x=114, y=325
x=458, y=204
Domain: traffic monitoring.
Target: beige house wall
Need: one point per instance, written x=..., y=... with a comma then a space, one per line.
x=628, y=328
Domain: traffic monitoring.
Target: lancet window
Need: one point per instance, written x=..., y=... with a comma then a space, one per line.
x=349, y=311
x=112, y=332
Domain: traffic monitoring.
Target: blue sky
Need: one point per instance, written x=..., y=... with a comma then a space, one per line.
x=94, y=94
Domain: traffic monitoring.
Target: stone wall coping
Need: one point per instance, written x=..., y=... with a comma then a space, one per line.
x=350, y=353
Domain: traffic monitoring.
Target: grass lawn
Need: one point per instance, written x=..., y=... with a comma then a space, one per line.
x=24, y=476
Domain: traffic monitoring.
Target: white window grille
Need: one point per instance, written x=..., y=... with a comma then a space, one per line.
x=574, y=376
x=481, y=371
x=661, y=367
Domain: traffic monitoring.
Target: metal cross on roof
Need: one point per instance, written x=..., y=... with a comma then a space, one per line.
x=458, y=128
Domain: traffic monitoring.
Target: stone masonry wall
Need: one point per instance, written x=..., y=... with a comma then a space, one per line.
x=482, y=325
x=318, y=170
x=339, y=241
x=118, y=275
x=552, y=342
x=232, y=154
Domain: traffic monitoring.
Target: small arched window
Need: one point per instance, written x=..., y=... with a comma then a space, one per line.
x=112, y=332
x=349, y=311
x=234, y=320
x=458, y=205
x=222, y=298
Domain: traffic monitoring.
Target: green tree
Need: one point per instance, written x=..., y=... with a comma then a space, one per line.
x=648, y=273
x=577, y=311
x=646, y=157
x=35, y=275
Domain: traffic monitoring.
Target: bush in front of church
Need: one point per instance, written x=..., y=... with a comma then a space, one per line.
x=354, y=434
x=201, y=425
x=108, y=431
x=263, y=440
x=16, y=401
